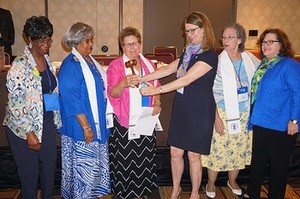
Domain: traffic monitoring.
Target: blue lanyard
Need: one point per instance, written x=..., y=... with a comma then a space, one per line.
x=50, y=84
x=94, y=67
x=194, y=55
x=145, y=99
x=238, y=71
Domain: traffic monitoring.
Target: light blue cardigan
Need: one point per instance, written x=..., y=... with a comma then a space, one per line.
x=278, y=96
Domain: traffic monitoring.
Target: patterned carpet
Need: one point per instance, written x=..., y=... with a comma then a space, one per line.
x=164, y=192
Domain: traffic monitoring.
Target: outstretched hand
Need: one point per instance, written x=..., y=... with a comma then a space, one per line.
x=149, y=90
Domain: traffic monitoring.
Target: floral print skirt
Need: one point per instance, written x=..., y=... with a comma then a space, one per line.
x=230, y=152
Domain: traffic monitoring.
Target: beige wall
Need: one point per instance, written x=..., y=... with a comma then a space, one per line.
x=103, y=15
x=261, y=14
x=95, y=13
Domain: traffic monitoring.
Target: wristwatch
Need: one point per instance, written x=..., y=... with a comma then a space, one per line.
x=161, y=90
x=294, y=121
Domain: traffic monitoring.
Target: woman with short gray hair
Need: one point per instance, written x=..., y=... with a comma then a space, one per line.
x=85, y=167
x=232, y=141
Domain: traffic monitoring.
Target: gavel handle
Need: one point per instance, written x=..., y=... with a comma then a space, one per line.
x=133, y=73
x=132, y=70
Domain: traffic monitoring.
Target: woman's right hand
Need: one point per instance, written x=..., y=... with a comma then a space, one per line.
x=130, y=81
x=33, y=141
x=219, y=125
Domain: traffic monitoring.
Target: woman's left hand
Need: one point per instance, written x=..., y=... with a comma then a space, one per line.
x=88, y=135
x=292, y=128
x=149, y=90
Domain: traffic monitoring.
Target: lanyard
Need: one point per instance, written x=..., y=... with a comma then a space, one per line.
x=238, y=70
x=50, y=84
x=93, y=65
x=48, y=76
x=194, y=55
x=145, y=99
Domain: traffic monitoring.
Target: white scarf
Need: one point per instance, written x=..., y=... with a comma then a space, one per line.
x=135, y=106
x=229, y=83
x=91, y=87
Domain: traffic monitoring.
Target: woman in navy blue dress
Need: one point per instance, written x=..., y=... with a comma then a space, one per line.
x=194, y=106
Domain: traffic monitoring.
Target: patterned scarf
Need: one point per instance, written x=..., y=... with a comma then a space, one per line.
x=191, y=50
x=259, y=73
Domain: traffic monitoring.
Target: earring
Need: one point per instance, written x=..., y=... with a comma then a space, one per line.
x=30, y=45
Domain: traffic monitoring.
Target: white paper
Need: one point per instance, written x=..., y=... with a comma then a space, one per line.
x=146, y=122
x=158, y=126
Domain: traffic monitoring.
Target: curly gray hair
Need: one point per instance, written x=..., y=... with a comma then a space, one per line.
x=77, y=33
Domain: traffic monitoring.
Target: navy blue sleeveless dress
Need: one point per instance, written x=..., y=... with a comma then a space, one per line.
x=193, y=113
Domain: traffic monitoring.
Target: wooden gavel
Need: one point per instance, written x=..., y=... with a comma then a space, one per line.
x=130, y=64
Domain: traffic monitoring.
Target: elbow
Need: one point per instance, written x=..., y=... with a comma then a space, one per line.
x=114, y=94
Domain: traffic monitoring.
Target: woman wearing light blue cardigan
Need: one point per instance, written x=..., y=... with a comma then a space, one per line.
x=275, y=113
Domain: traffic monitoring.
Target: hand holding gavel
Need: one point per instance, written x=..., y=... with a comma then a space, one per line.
x=130, y=64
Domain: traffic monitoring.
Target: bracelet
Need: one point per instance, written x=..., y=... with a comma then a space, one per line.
x=161, y=90
x=87, y=128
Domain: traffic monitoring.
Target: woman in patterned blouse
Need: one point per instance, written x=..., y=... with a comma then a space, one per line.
x=30, y=119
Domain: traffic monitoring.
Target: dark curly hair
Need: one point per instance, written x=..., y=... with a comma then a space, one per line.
x=38, y=27
x=285, y=44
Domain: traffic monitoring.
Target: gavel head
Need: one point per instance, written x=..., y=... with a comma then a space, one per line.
x=130, y=63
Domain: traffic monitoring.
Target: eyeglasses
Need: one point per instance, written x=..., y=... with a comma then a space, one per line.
x=229, y=38
x=44, y=42
x=192, y=31
x=129, y=45
x=87, y=41
x=269, y=42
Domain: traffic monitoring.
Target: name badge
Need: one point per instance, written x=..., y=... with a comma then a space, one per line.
x=234, y=126
x=145, y=99
x=109, y=120
x=98, y=130
x=243, y=94
x=132, y=134
x=180, y=90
